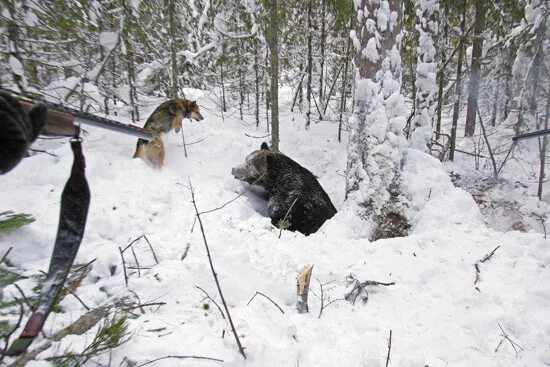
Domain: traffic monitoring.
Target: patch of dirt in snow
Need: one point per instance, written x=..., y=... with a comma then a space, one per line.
x=437, y=315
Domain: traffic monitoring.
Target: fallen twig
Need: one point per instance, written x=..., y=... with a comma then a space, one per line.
x=180, y=357
x=485, y=258
x=323, y=298
x=123, y=266
x=151, y=247
x=389, y=350
x=207, y=296
x=359, y=288
x=8, y=335
x=282, y=223
x=185, y=252
x=198, y=216
x=272, y=301
x=258, y=137
x=137, y=262
x=506, y=337
x=6, y=255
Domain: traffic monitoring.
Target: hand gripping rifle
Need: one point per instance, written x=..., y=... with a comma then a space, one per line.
x=63, y=121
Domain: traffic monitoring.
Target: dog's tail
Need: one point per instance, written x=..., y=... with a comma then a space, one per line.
x=138, y=152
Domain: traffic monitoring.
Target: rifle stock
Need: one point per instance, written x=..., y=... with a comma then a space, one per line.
x=57, y=123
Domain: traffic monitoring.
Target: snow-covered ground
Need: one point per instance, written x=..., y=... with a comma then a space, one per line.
x=437, y=316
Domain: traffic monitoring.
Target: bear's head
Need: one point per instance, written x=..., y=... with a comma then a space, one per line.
x=254, y=169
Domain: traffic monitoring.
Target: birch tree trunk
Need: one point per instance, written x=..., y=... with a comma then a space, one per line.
x=376, y=136
x=426, y=73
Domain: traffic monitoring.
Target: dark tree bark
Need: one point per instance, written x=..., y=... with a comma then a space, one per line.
x=309, y=62
x=475, y=77
x=273, y=40
x=322, y=61
x=174, y=63
x=458, y=84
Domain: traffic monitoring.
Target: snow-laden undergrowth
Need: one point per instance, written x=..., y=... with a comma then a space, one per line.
x=437, y=315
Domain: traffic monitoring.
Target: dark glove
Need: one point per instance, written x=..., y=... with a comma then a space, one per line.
x=17, y=130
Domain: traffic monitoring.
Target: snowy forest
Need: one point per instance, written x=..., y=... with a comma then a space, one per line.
x=390, y=220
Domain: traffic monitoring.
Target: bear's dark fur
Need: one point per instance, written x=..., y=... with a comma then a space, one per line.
x=288, y=186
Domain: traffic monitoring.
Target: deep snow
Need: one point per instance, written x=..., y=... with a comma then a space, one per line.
x=437, y=315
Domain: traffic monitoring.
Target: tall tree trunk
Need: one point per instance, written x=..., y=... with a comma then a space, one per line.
x=373, y=184
x=475, y=77
x=273, y=40
x=426, y=71
x=443, y=40
x=544, y=145
x=322, y=61
x=344, y=83
x=130, y=61
x=309, y=62
x=458, y=84
x=174, y=64
x=257, y=75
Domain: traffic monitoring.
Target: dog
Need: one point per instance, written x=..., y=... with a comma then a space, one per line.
x=169, y=115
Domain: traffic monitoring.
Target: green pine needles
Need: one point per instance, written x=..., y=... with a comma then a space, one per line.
x=10, y=221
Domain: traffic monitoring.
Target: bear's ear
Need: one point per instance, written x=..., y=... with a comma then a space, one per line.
x=264, y=146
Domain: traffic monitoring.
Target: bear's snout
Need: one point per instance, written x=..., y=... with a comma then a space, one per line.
x=238, y=173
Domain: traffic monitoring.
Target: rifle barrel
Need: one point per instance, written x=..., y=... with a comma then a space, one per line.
x=531, y=135
x=61, y=120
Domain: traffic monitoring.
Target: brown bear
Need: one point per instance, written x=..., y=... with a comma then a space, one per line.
x=296, y=200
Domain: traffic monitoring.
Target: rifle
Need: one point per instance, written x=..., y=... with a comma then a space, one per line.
x=64, y=121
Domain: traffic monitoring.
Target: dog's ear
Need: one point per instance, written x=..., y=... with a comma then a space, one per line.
x=192, y=104
x=264, y=146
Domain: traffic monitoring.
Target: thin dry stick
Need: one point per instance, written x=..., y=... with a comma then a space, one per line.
x=230, y=201
x=241, y=349
x=506, y=337
x=484, y=259
x=8, y=335
x=272, y=301
x=258, y=137
x=489, y=255
x=389, y=350
x=85, y=266
x=184, y=145
x=81, y=301
x=123, y=266
x=207, y=296
x=286, y=215
x=185, y=252
x=137, y=262
x=196, y=142
x=151, y=247
x=180, y=357
x=132, y=243
x=5, y=255
x=322, y=298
